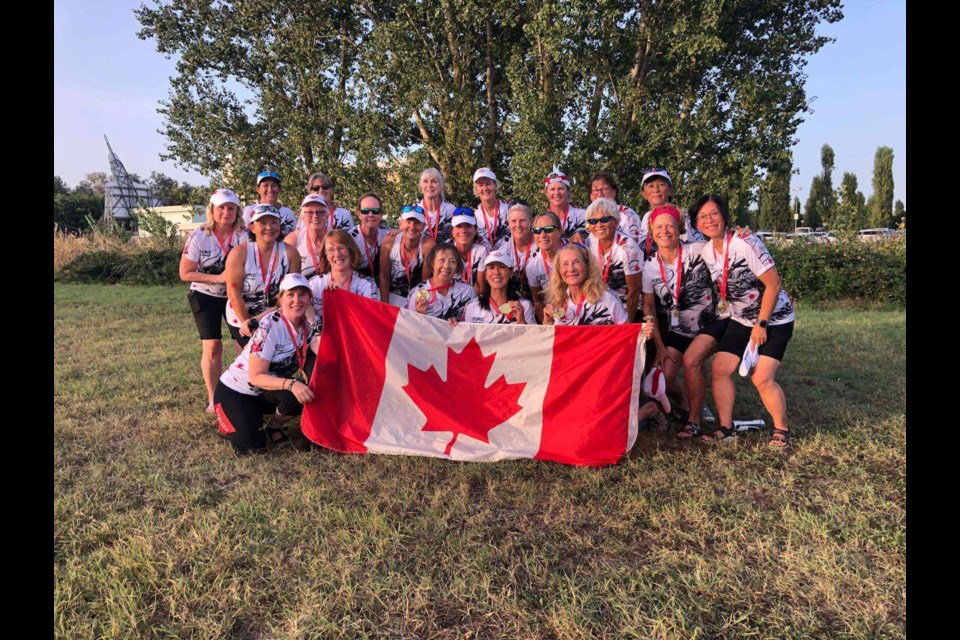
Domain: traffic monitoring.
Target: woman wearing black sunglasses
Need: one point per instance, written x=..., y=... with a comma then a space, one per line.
x=548, y=234
x=620, y=259
x=337, y=217
x=369, y=234
x=401, y=257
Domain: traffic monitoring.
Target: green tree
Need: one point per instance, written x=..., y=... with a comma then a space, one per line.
x=59, y=186
x=71, y=210
x=828, y=199
x=850, y=204
x=813, y=209
x=899, y=213
x=94, y=182
x=371, y=93
x=774, y=209
x=882, y=205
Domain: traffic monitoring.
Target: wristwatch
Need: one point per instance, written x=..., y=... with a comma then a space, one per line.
x=763, y=323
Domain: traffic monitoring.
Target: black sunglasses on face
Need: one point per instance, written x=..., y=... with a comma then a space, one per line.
x=603, y=220
x=547, y=229
x=320, y=187
x=374, y=211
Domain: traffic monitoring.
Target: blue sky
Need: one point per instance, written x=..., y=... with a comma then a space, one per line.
x=107, y=81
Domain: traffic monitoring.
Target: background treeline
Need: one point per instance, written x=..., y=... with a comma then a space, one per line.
x=371, y=93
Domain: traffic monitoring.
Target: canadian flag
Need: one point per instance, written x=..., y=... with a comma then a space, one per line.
x=388, y=380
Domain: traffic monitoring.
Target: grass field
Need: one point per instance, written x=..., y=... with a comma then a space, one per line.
x=161, y=532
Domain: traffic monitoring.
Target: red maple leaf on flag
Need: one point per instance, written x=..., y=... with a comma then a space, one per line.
x=462, y=404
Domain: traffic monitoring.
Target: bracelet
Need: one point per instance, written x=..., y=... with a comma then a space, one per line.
x=290, y=386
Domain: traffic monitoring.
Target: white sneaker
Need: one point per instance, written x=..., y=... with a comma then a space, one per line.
x=706, y=415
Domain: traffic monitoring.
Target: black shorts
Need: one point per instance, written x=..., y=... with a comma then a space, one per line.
x=240, y=417
x=737, y=336
x=208, y=312
x=681, y=343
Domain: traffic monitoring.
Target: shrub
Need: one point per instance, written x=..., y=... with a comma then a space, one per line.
x=145, y=265
x=875, y=272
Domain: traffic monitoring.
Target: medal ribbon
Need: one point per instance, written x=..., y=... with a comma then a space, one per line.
x=366, y=250
x=266, y=276
x=312, y=248
x=405, y=263
x=576, y=313
x=468, y=267
x=516, y=258
x=433, y=290
x=606, y=266
x=224, y=247
x=491, y=228
x=726, y=265
x=436, y=225
x=679, y=269
x=301, y=354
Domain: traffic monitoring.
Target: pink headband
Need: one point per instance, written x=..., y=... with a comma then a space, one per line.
x=667, y=209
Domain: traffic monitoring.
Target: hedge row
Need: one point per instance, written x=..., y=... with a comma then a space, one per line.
x=875, y=272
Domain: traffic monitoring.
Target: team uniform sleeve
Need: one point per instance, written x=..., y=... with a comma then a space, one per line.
x=646, y=280
x=528, y=315
x=191, y=250
x=617, y=311
x=263, y=344
x=633, y=262
x=759, y=263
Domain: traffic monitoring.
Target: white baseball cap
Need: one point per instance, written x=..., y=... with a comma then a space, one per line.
x=262, y=210
x=292, y=281
x=268, y=175
x=313, y=198
x=223, y=196
x=655, y=386
x=463, y=214
x=484, y=172
x=409, y=212
x=498, y=255
x=654, y=172
x=556, y=176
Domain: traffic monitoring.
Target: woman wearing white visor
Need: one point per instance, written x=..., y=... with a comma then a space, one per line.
x=202, y=265
x=268, y=192
x=254, y=270
x=401, y=257
x=308, y=238
x=491, y=213
x=556, y=187
x=497, y=304
x=471, y=251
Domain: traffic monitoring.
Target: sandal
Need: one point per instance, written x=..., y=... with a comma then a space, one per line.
x=720, y=434
x=689, y=430
x=276, y=436
x=780, y=439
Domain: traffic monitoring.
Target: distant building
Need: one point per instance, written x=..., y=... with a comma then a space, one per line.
x=185, y=217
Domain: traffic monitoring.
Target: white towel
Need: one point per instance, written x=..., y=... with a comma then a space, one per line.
x=750, y=357
x=655, y=386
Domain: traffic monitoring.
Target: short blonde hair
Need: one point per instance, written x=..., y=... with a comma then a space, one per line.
x=593, y=287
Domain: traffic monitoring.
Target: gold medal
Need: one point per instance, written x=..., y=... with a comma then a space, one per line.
x=422, y=295
x=558, y=314
x=723, y=309
x=505, y=308
x=674, y=317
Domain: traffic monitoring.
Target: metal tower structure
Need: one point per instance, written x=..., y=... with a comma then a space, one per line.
x=123, y=195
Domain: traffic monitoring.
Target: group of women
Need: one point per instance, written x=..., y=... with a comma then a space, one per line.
x=699, y=288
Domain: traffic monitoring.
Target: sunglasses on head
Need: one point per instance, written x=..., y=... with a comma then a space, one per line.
x=407, y=208
x=370, y=211
x=547, y=229
x=320, y=187
x=463, y=211
x=603, y=220
x=260, y=208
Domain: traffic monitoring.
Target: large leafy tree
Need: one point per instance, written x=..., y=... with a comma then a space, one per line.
x=882, y=200
x=372, y=92
x=774, y=212
x=851, y=206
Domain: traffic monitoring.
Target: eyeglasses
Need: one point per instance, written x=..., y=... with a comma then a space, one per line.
x=321, y=187
x=370, y=211
x=407, y=208
x=547, y=229
x=315, y=211
x=603, y=220
x=708, y=216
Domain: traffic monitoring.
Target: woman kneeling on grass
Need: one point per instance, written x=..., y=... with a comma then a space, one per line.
x=761, y=316
x=268, y=377
x=202, y=265
x=497, y=304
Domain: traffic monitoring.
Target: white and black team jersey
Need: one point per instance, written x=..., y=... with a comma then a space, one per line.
x=607, y=310
x=574, y=222
x=440, y=229
x=518, y=280
x=360, y=285
x=369, y=255
x=475, y=313
x=443, y=305
x=492, y=226
x=747, y=262
x=271, y=341
x=649, y=246
x=537, y=270
x=629, y=223
x=402, y=280
x=621, y=260
x=697, y=304
x=307, y=268
x=339, y=218
x=252, y=291
x=288, y=219
x=472, y=264
x=204, y=248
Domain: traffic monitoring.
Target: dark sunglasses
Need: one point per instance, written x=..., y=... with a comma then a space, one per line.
x=320, y=187
x=518, y=201
x=374, y=211
x=407, y=208
x=603, y=220
x=547, y=229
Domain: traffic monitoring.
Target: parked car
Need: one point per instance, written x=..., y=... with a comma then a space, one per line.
x=803, y=231
x=822, y=236
x=875, y=235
